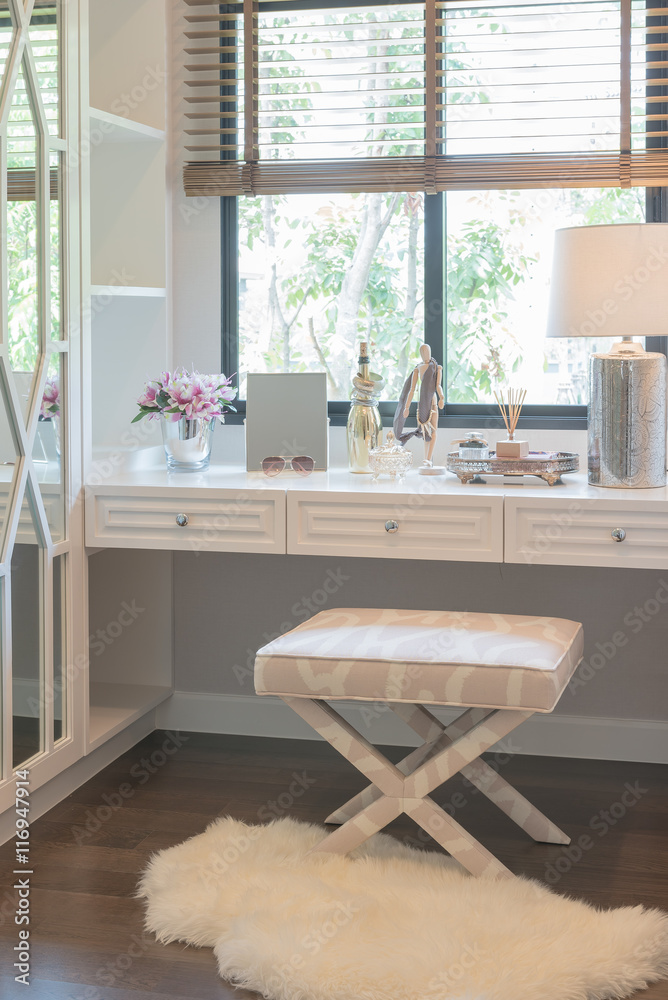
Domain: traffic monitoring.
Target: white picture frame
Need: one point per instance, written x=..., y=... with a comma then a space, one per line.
x=286, y=414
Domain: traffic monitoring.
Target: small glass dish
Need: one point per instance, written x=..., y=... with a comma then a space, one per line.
x=473, y=446
x=390, y=459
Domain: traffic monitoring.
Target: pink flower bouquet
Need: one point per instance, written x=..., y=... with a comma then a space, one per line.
x=50, y=399
x=186, y=394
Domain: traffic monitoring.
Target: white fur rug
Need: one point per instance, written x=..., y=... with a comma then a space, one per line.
x=388, y=923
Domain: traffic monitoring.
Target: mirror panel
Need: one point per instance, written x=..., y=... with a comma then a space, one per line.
x=6, y=37
x=27, y=590
x=8, y=458
x=23, y=244
x=44, y=40
x=47, y=449
x=60, y=720
x=56, y=244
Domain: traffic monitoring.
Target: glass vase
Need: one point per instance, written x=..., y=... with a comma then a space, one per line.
x=187, y=443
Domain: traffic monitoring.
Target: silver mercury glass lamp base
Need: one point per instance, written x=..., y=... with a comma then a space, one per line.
x=627, y=417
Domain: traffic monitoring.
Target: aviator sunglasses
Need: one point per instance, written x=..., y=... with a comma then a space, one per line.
x=301, y=464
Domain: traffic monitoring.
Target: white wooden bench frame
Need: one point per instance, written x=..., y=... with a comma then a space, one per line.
x=406, y=787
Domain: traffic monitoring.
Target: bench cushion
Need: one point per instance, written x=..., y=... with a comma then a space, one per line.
x=427, y=657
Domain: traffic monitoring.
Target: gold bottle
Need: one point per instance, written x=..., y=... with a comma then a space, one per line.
x=364, y=427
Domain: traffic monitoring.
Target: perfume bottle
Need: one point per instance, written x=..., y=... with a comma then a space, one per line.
x=364, y=427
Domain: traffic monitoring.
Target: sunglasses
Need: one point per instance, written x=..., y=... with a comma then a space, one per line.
x=301, y=464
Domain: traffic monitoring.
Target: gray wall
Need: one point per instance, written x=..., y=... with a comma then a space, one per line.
x=226, y=606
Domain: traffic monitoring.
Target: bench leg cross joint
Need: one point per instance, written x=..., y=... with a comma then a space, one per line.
x=406, y=787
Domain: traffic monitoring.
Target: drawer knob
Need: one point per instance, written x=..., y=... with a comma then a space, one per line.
x=618, y=534
x=391, y=527
x=182, y=520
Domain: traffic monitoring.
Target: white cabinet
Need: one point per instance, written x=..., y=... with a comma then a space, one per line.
x=396, y=526
x=125, y=212
x=627, y=532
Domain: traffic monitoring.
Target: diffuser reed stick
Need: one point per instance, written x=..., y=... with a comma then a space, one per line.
x=511, y=409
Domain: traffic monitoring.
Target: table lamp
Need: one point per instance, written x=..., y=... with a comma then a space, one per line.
x=612, y=281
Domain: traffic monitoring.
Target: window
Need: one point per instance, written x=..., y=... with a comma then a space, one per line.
x=319, y=273
x=503, y=121
x=499, y=261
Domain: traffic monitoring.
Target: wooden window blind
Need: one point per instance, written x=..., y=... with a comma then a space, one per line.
x=286, y=96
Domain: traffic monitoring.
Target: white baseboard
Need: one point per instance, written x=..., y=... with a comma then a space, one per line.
x=54, y=791
x=543, y=735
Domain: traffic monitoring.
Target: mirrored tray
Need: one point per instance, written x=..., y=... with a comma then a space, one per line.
x=547, y=465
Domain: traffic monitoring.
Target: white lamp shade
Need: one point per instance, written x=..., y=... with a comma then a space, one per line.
x=610, y=281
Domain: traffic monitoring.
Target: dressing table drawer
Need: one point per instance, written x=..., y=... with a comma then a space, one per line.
x=397, y=526
x=588, y=532
x=223, y=521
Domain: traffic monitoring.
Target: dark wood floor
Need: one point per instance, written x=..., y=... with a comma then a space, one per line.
x=87, y=940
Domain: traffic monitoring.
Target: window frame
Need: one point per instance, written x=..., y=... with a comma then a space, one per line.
x=557, y=417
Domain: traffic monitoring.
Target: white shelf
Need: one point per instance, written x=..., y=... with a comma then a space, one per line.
x=122, y=291
x=113, y=707
x=115, y=128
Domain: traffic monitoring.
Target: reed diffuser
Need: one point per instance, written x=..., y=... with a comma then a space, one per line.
x=511, y=408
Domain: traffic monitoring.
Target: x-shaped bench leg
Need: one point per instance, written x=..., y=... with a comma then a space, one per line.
x=400, y=792
x=434, y=733
x=478, y=772
x=442, y=828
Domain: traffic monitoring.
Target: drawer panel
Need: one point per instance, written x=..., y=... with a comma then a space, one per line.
x=429, y=527
x=222, y=522
x=572, y=532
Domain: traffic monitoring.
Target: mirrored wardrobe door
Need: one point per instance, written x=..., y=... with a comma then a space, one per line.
x=33, y=379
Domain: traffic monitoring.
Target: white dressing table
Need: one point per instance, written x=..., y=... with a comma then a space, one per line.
x=229, y=510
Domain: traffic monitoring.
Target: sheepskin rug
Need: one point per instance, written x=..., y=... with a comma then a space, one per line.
x=388, y=923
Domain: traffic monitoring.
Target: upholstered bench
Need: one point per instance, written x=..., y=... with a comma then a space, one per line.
x=499, y=669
